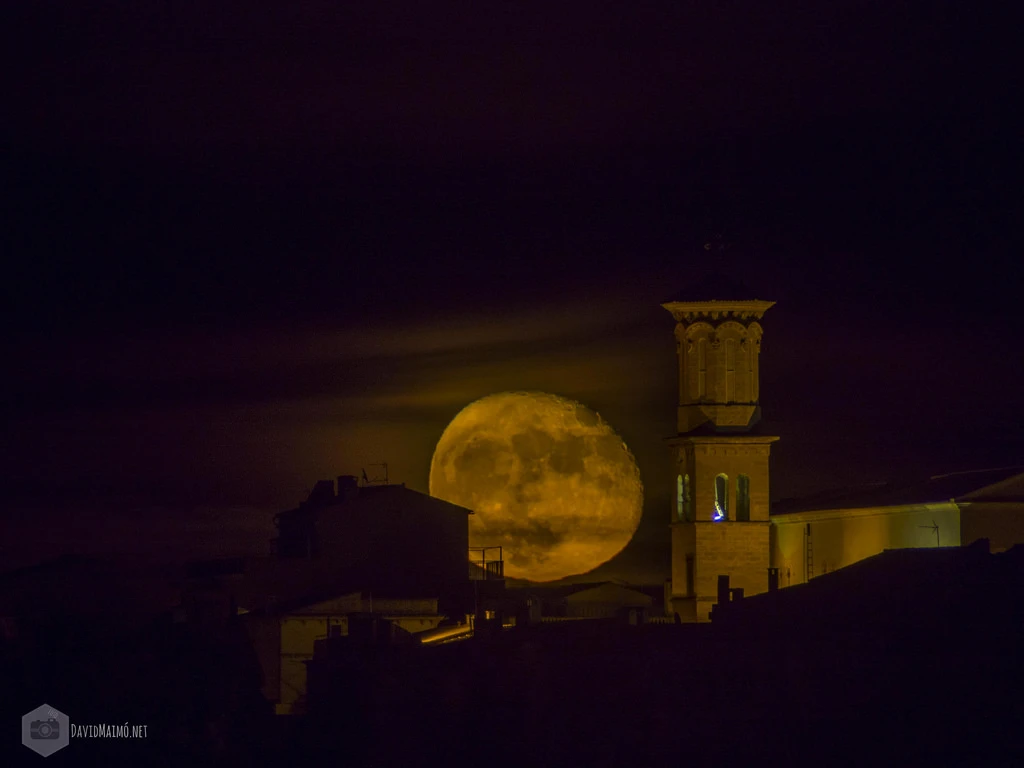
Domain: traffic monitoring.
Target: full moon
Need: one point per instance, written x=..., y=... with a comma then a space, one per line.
x=548, y=480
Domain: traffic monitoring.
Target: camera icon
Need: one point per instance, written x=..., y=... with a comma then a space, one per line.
x=44, y=729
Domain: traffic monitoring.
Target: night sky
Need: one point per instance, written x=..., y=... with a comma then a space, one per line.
x=254, y=245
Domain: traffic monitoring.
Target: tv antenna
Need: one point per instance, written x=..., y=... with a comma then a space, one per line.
x=377, y=480
x=935, y=528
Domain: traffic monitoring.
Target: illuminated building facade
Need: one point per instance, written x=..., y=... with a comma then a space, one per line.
x=720, y=524
x=819, y=534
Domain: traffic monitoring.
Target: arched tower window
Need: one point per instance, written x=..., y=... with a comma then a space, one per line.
x=721, y=511
x=684, y=509
x=679, y=497
x=743, y=498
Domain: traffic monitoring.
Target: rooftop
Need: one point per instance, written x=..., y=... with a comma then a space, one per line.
x=896, y=590
x=397, y=494
x=966, y=485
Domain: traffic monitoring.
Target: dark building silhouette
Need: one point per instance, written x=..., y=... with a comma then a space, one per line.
x=588, y=600
x=917, y=649
x=908, y=657
x=285, y=634
x=381, y=536
x=382, y=551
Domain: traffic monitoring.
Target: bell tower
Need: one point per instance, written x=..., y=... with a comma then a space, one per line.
x=720, y=515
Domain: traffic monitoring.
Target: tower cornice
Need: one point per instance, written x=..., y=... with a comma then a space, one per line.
x=723, y=439
x=690, y=311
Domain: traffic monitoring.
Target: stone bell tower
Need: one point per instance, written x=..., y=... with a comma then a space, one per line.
x=720, y=516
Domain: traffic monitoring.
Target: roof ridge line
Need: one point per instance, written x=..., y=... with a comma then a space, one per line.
x=977, y=471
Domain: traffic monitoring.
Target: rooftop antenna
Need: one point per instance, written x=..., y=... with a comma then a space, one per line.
x=378, y=480
x=935, y=528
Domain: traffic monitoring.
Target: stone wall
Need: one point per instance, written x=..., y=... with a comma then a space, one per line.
x=739, y=550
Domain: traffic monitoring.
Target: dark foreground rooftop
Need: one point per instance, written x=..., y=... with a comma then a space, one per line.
x=908, y=659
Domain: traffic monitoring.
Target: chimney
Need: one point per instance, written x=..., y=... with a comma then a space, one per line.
x=348, y=487
x=723, y=588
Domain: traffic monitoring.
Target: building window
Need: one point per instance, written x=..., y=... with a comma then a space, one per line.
x=721, y=498
x=684, y=509
x=743, y=498
x=689, y=575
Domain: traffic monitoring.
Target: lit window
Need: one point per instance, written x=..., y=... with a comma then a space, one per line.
x=683, y=504
x=721, y=498
x=743, y=498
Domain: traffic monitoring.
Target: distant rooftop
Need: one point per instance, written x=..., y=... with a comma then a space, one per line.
x=932, y=490
x=352, y=495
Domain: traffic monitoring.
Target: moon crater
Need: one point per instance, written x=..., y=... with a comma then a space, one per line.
x=547, y=479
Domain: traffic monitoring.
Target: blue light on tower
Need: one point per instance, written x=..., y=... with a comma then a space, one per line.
x=718, y=515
